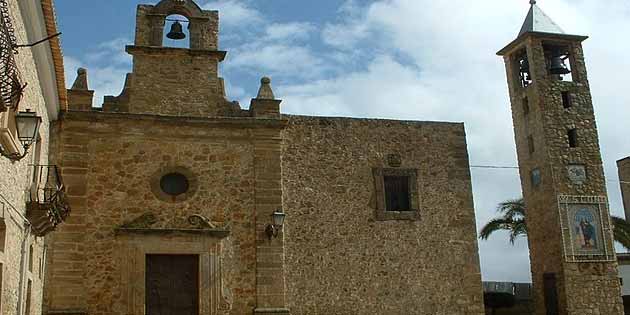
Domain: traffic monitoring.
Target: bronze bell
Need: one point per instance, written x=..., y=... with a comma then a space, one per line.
x=524, y=67
x=558, y=66
x=176, y=32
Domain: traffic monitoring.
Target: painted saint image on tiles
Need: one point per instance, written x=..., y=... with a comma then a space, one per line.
x=586, y=228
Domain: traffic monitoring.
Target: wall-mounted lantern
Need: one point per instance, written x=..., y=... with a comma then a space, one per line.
x=27, y=124
x=277, y=219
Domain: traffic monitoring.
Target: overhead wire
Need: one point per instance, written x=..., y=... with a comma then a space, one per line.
x=516, y=167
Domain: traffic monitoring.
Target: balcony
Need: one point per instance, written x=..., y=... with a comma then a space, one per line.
x=47, y=206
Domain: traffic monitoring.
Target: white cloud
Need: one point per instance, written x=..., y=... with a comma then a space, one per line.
x=277, y=59
x=112, y=51
x=234, y=13
x=107, y=67
x=350, y=31
x=289, y=31
x=264, y=47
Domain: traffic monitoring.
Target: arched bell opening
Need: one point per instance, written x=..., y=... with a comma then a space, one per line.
x=176, y=32
x=559, y=61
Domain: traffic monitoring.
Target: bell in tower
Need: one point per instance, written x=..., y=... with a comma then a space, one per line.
x=175, y=81
x=573, y=262
x=558, y=66
x=176, y=32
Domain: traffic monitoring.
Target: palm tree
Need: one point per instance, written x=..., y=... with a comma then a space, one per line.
x=512, y=219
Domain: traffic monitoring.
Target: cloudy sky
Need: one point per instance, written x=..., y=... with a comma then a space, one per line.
x=399, y=59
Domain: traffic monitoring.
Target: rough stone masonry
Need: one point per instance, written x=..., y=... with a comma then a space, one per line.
x=379, y=213
x=573, y=263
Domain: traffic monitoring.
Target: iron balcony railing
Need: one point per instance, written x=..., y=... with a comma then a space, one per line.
x=10, y=86
x=47, y=206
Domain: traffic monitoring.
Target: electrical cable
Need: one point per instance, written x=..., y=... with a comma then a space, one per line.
x=516, y=167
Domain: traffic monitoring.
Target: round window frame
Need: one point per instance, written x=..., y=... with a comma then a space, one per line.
x=156, y=187
x=174, y=184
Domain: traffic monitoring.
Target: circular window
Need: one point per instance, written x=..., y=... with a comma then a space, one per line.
x=174, y=184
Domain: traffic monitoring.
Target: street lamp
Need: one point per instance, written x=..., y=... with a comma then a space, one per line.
x=277, y=219
x=27, y=124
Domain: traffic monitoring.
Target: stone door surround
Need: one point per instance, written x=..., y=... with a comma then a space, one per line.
x=136, y=246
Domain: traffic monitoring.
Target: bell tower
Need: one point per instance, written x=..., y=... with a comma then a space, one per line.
x=573, y=262
x=174, y=81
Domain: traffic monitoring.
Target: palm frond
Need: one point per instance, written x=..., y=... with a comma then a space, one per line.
x=519, y=228
x=514, y=209
x=495, y=225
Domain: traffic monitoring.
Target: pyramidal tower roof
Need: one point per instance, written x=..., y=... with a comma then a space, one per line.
x=539, y=22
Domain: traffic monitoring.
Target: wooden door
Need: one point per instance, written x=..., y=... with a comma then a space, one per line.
x=172, y=285
x=551, y=293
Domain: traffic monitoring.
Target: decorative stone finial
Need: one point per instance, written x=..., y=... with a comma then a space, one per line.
x=265, y=92
x=532, y=2
x=81, y=83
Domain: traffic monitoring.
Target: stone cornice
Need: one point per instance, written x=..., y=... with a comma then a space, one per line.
x=212, y=122
x=507, y=49
x=219, y=233
x=154, y=50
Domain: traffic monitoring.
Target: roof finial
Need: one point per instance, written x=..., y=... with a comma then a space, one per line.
x=532, y=2
x=80, y=83
x=265, y=91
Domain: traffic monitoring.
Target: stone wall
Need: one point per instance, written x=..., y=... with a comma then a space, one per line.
x=177, y=82
x=15, y=181
x=110, y=163
x=339, y=258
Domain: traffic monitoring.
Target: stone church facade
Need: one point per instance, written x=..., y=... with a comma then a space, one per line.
x=178, y=197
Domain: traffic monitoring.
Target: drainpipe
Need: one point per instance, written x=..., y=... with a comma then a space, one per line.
x=27, y=232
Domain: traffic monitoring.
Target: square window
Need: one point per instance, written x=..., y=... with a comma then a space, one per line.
x=396, y=194
x=566, y=100
x=525, y=106
x=573, y=138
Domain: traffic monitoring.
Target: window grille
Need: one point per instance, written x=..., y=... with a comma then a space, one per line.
x=10, y=86
x=396, y=193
